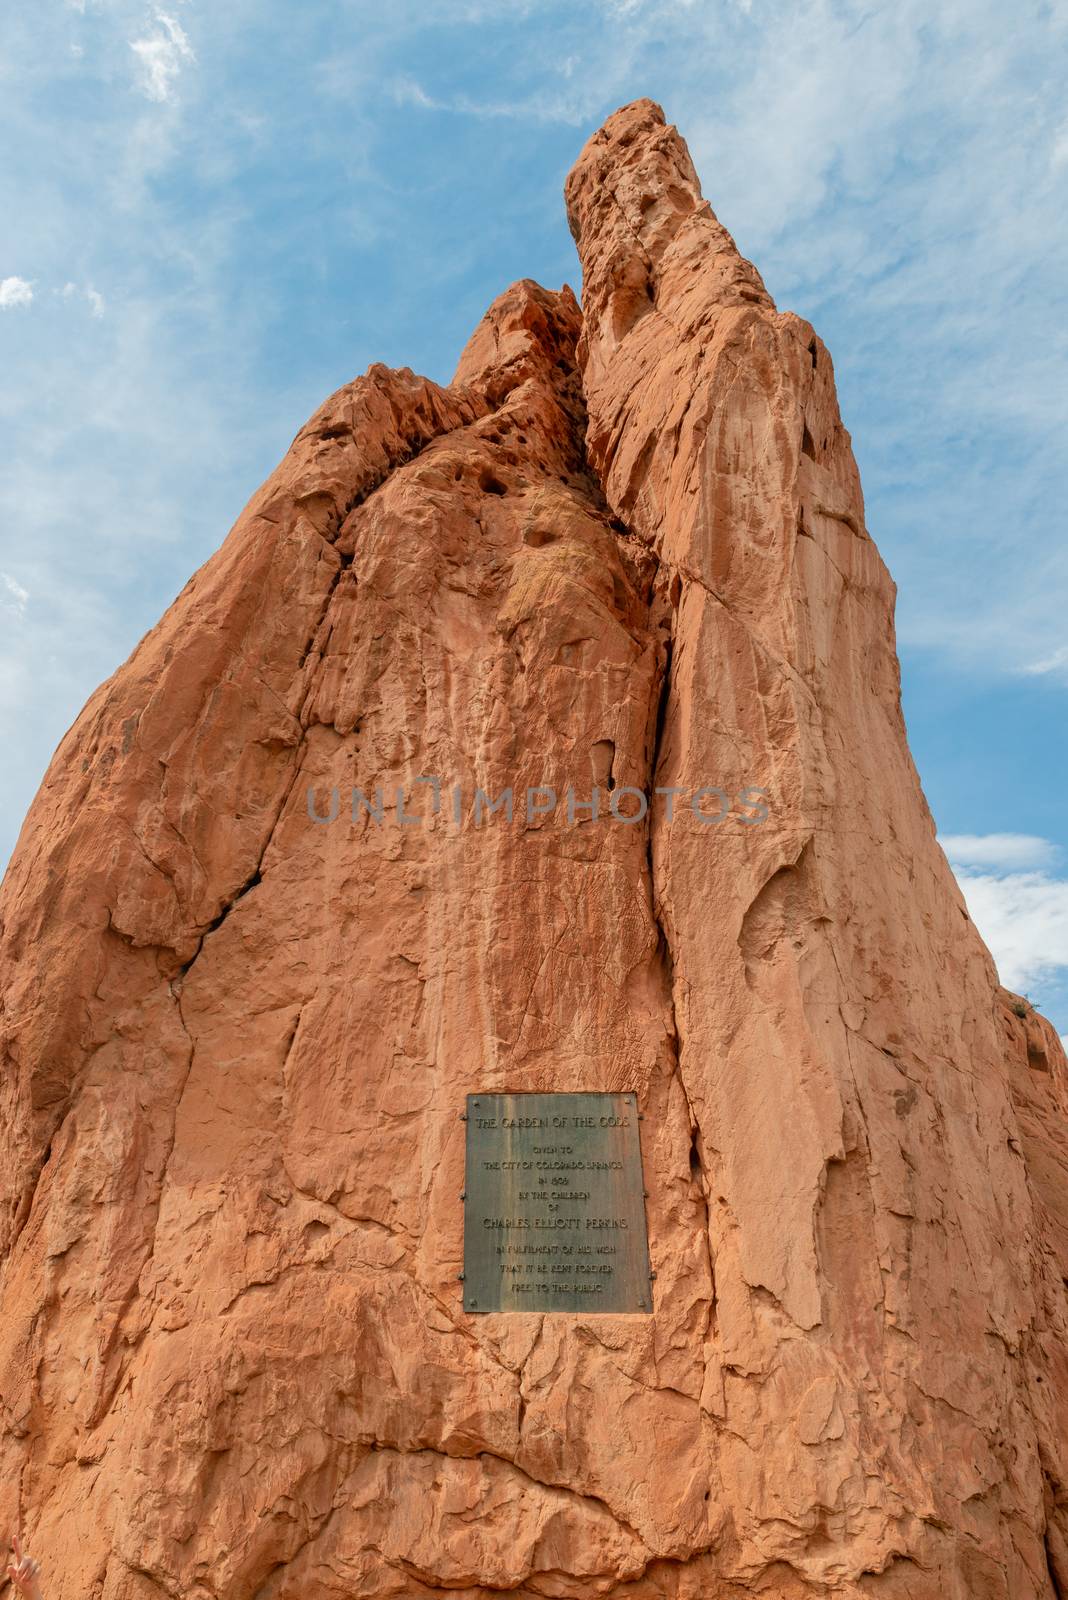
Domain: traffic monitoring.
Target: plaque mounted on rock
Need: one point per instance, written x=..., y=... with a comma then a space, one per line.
x=554, y=1204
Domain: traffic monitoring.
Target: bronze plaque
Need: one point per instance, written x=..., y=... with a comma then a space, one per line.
x=554, y=1206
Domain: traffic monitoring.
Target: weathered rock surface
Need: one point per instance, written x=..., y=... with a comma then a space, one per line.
x=624, y=549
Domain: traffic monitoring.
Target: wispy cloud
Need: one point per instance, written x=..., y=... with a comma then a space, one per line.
x=161, y=56
x=12, y=594
x=410, y=92
x=1007, y=851
x=568, y=106
x=92, y=297
x=1059, y=154
x=15, y=292
x=1055, y=665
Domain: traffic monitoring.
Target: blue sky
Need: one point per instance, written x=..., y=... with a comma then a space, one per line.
x=214, y=214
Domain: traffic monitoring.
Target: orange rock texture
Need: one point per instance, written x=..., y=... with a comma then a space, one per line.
x=624, y=549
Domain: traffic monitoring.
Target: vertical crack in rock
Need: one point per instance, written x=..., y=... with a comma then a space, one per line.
x=667, y=602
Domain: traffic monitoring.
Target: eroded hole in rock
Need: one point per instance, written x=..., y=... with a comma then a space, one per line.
x=813, y=352
x=807, y=445
x=602, y=755
x=1037, y=1059
x=536, y=537
x=489, y=484
x=630, y=303
x=570, y=652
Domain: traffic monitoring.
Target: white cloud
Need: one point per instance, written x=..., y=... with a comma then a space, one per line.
x=1009, y=852
x=18, y=595
x=1055, y=664
x=1017, y=902
x=95, y=300
x=1023, y=917
x=571, y=106
x=161, y=55
x=15, y=292
x=1060, y=146
x=409, y=92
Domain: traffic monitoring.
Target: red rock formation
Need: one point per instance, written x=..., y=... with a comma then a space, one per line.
x=236, y=1041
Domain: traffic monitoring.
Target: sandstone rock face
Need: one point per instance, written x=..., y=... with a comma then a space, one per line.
x=624, y=548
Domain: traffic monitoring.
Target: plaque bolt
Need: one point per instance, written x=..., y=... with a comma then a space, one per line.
x=652, y=1274
x=460, y=1277
x=463, y=1194
x=463, y=1116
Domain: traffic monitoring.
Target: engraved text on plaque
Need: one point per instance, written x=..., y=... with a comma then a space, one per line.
x=554, y=1207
